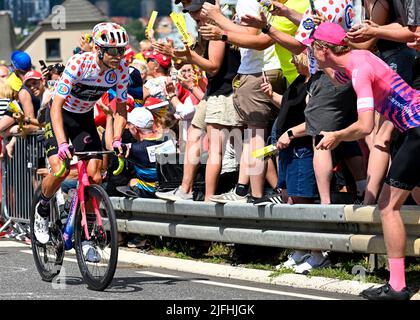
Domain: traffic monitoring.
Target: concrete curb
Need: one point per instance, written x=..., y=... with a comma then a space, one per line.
x=240, y=273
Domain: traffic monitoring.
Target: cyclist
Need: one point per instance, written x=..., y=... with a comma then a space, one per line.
x=85, y=78
x=378, y=88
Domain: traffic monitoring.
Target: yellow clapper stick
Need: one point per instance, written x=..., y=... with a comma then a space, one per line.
x=14, y=107
x=151, y=23
x=265, y=152
x=181, y=25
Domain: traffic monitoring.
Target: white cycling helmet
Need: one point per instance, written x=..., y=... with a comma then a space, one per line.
x=109, y=34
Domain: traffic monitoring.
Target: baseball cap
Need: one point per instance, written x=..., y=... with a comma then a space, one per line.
x=141, y=118
x=129, y=52
x=193, y=6
x=329, y=32
x=164, y=61
x=153, y=103
x=21, y=60
x=32, y=75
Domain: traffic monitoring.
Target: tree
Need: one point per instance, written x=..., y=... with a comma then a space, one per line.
x=136, y=28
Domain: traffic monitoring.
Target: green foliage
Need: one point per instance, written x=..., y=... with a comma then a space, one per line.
x=136, y=29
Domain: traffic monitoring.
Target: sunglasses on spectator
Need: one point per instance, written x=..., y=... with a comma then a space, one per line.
x=114, y=51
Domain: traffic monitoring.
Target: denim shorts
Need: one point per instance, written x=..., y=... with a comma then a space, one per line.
x=296, y=172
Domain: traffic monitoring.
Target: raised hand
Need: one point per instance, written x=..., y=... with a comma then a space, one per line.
x=363, y=32
x=210, y=32
x=255, y=22
x=279, y=9
x=211, y=11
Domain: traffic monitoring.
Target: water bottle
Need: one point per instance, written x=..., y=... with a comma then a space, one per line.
x=69, y=228
x=65, y=207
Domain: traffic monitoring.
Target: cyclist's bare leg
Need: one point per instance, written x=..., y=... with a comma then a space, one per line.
x=93, y=167
x=50, y=184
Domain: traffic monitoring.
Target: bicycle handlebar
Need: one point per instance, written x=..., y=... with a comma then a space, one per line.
x=116, y=172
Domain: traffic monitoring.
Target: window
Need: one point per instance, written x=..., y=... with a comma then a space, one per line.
x=53, y=49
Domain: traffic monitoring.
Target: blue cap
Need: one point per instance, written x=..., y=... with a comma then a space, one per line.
x=21, y=60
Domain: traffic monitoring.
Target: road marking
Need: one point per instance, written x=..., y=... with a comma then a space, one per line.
x=241, y=287
x=12, y=244
x=71, y=259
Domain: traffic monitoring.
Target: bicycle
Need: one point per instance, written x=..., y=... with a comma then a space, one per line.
x=91, y=221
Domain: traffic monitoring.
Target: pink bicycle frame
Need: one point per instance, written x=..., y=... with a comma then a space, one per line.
x=83, y=183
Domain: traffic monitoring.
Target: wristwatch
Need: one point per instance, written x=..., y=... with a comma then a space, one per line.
x=224, y=36
x=266, y=29
x=290, y=134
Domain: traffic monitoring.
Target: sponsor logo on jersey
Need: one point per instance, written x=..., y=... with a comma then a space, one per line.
x=124, y=95
x=111, y=77
x=308, y=24
x=69, y=74
x=88, y=79
x=63, y=89
x=349, y=15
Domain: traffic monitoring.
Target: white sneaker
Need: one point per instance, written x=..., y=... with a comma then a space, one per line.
x=174, y=195
x=90, y=252
x=41, y=229
x=230, y=196
x=295, y=258
x=315, y=261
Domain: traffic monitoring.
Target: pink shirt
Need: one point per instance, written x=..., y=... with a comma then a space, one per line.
x=380, y=88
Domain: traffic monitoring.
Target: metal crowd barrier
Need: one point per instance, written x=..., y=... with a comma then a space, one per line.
x=20, y=178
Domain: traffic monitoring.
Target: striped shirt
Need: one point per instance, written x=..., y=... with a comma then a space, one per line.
x=380, y=88
x=4, y=104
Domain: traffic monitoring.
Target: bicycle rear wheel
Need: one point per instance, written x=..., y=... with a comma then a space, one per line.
x=104, y=239
x=48, y=257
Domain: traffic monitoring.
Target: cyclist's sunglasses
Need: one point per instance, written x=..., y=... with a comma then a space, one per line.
x=114, y=51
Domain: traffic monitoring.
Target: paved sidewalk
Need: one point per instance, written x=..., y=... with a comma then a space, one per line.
x=239, y=273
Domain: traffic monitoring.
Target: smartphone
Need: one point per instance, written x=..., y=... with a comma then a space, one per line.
x=42, y=63
x=318, y=138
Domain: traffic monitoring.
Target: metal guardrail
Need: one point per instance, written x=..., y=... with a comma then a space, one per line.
x=19, y=179
x=343, y=228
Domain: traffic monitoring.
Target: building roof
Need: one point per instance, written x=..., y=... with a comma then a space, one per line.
x=7, y=36
x=78, y=11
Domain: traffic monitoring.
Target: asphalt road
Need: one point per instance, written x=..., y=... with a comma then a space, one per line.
x=20, y=281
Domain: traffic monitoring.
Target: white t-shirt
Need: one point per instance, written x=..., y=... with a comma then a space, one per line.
x=338, y=11
x=254, y=61
x=156, y=87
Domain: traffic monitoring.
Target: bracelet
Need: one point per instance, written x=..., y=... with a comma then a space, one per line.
x=191, y=89
x=172, y=95
x=266, y=29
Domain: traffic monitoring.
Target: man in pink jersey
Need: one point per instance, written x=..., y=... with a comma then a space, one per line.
x=86, y=77
x=378, y=88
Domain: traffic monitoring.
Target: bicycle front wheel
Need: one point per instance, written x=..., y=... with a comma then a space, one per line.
x=48, y=257
x=98, y=256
